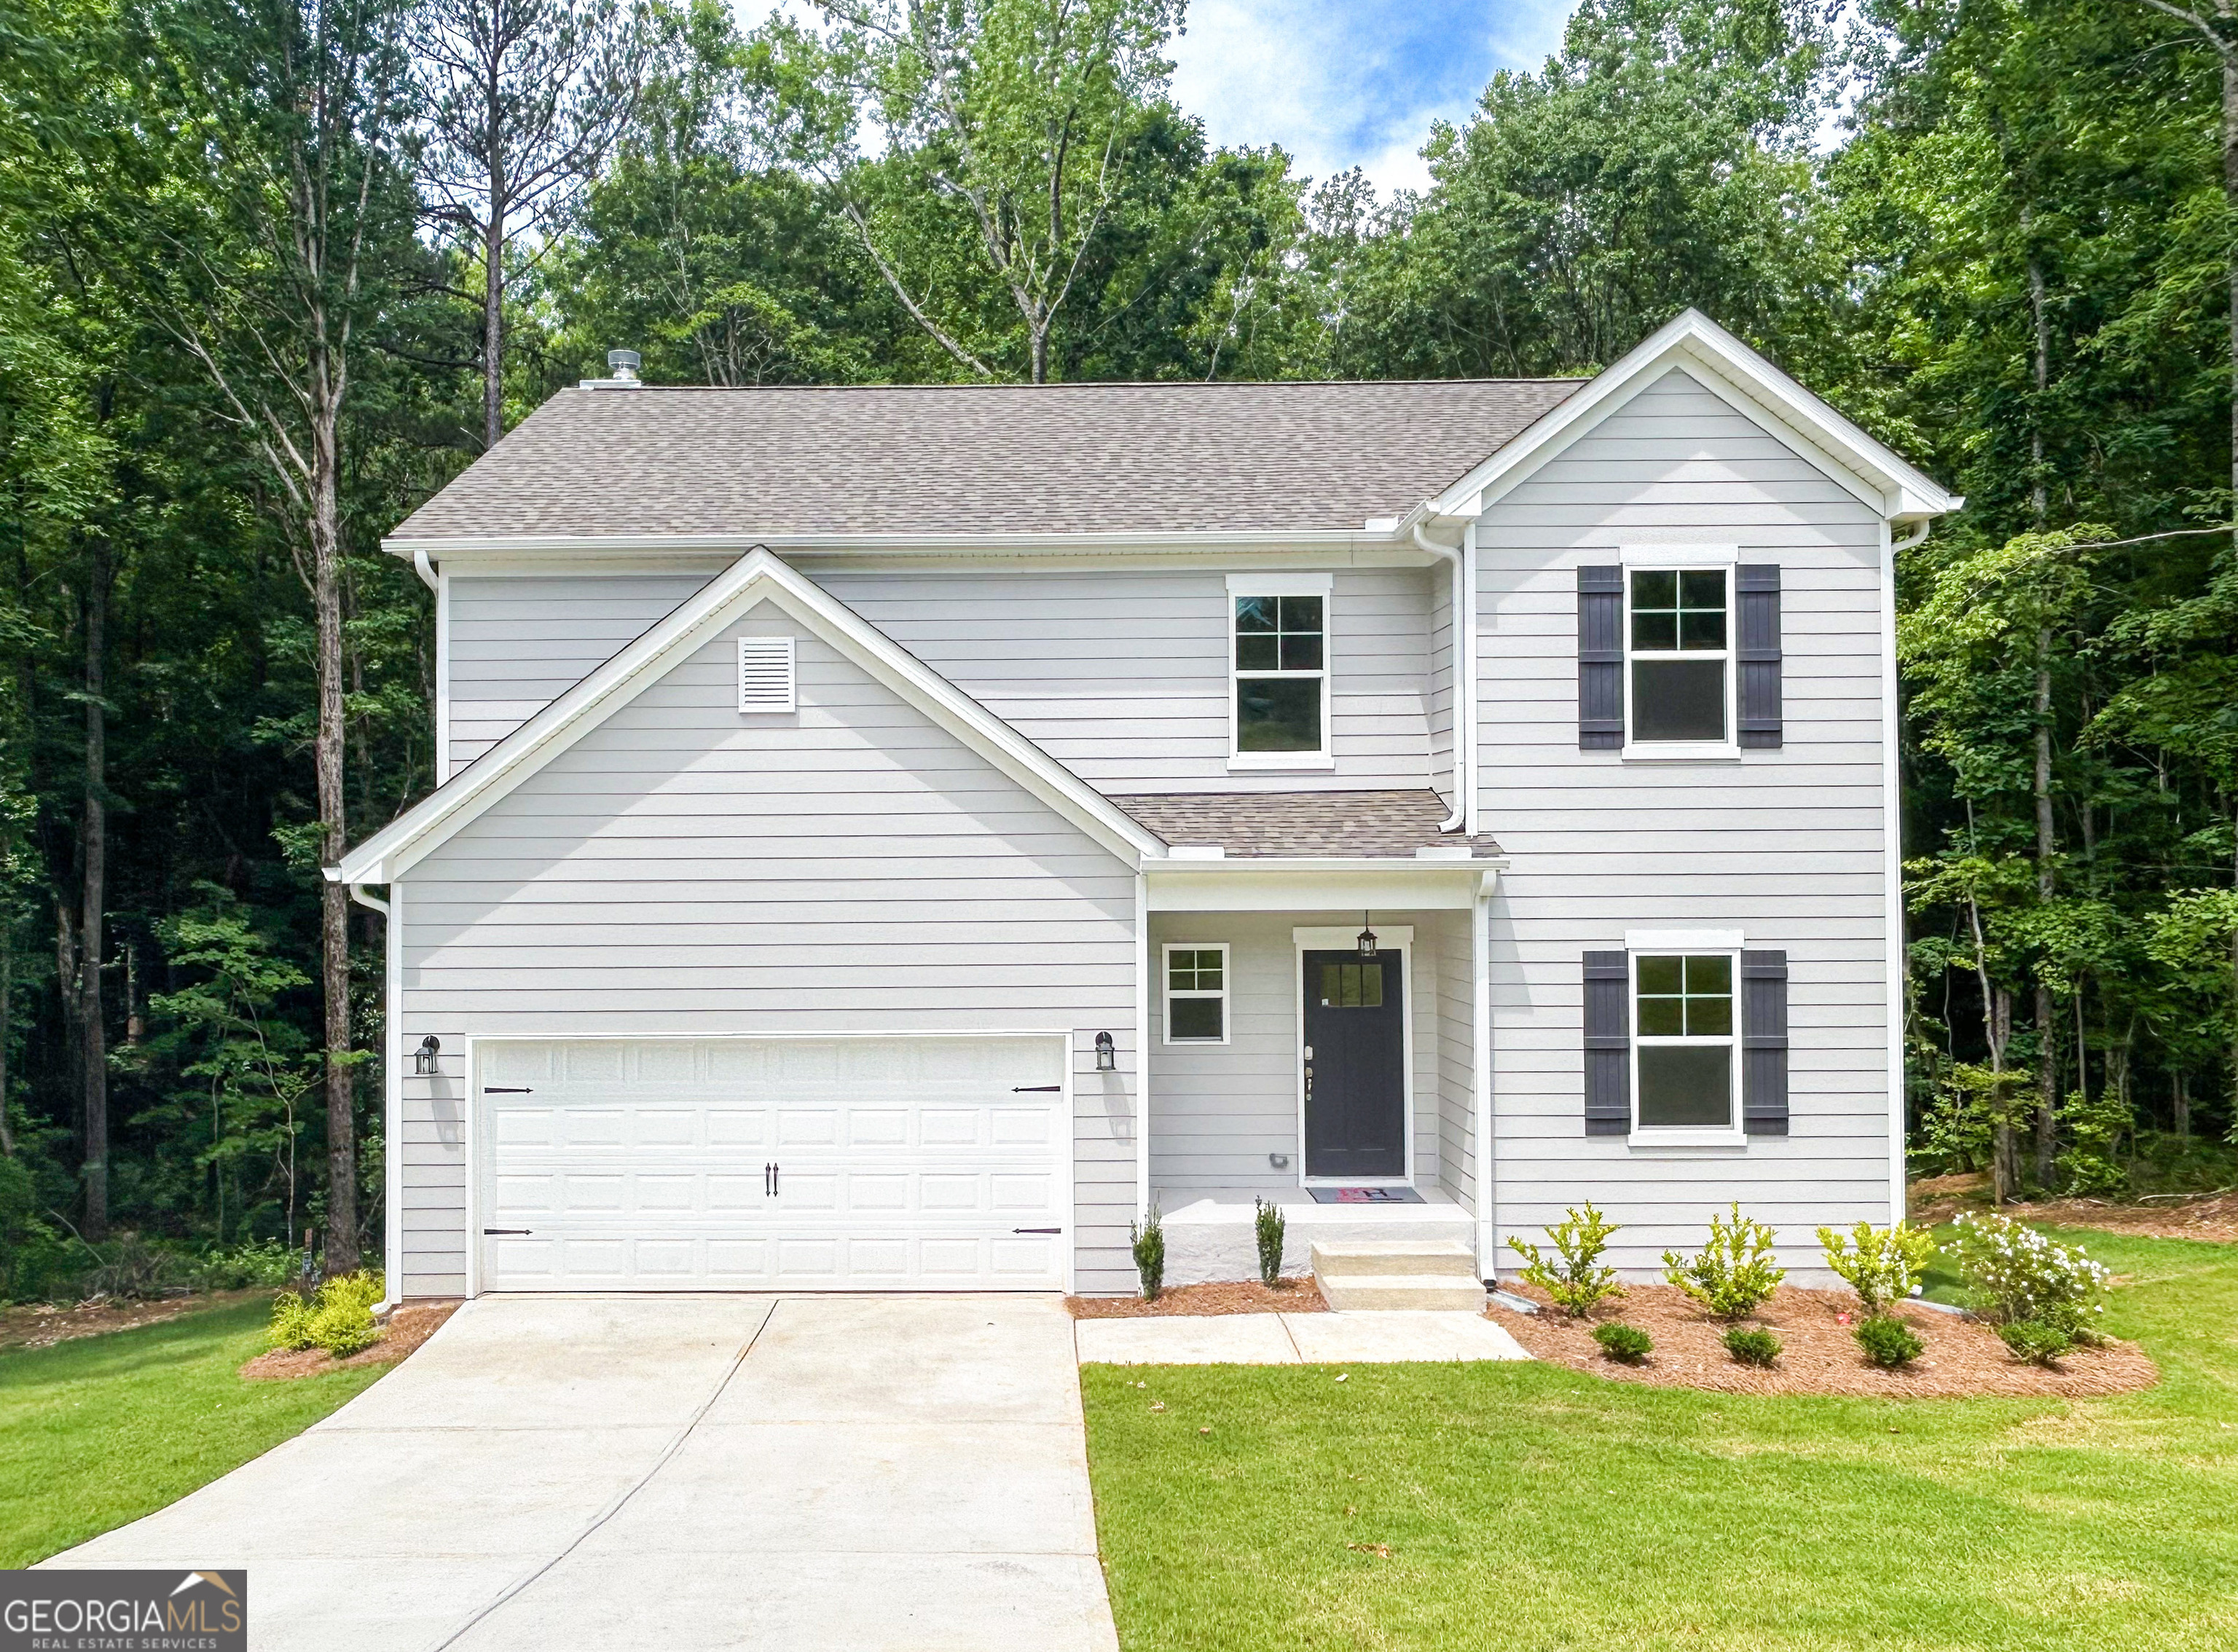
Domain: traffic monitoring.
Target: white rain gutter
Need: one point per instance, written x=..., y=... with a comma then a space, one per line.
x=392, y=1109
x=1918, y=536
x=425, y=570
x=1464, y=674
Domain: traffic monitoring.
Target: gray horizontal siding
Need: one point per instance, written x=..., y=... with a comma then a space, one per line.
x=1121, y=674
x=685, y=870
x=1785, y=845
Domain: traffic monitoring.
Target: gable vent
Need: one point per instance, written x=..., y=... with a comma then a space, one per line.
x=766, y=675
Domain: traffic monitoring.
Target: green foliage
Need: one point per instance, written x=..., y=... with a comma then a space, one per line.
x=1626, y=1344
x=1574, y=1276
x=1887, y=1341
x=1147, y=1240
x=2035, y=1343
x=252, y=1262
x=338, y=1317
x=1734, y=1272
x=2014, y=1273
x=1268, y=1227
x=1880, y=1264
x=1752, y=1345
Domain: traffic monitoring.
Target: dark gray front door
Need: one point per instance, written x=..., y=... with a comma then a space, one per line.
x=1355, y=1066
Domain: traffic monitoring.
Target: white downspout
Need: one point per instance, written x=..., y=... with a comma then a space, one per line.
x=421, y=566
x=1453, y=821
x=1467, y=674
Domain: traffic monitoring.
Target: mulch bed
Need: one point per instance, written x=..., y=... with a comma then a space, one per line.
x=1818, y=1355
x=2212, y=1217
x=41, y=1324
x=408, y=1328
x=1197, y=1301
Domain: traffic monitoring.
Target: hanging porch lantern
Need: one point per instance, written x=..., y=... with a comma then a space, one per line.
x=1366, y=938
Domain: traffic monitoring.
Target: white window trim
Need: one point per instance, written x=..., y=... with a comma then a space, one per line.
x=1396, y=937
x=1695, y=559
x=1682, y=943
x=1167, y=995
x=1282, y=585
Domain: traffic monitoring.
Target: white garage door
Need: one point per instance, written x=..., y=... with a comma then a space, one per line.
x=842, y=1164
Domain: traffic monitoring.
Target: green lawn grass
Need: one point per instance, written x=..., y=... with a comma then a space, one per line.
x=1527, y=1506
x=103, y=1430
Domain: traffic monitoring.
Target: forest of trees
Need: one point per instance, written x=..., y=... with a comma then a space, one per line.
x=271, y=271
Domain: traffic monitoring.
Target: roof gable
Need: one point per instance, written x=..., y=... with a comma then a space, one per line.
x=755, y=579
x=1728, y=368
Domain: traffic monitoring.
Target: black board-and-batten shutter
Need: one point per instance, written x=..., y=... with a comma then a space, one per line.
x=1764, y=1043
x=1756, y=592
x=1600, y=659
x=1608, y=1044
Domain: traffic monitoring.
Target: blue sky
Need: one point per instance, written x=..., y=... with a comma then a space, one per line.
x=1352, y=82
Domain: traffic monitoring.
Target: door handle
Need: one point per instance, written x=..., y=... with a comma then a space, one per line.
x=523, y=1231
x=1037, y=1230
x=769, y=1180
x=506, y=1089
x=1036, y=1089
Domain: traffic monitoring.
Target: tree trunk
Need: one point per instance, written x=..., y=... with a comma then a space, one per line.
x=334, y=912
x=7, y=1026
x=93, y=896
x=2046, y=1083
x=1996, y=1028
x=2182, y=1108
x=492, y=324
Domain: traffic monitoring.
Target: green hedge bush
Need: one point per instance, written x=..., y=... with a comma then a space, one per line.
x=1626, y=1344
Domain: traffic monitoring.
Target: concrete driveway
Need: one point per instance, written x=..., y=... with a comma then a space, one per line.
x=676, y=1472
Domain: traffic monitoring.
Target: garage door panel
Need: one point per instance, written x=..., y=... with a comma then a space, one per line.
x=643, y=1164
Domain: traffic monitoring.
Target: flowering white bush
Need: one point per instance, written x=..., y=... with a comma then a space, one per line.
x=2016, y=1275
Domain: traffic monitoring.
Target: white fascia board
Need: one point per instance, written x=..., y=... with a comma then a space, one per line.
x=1329, y=885
x=1885, y=481
x=990, y=545
x=755, y=577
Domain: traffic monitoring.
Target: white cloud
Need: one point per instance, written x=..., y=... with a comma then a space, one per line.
x=1340, y=84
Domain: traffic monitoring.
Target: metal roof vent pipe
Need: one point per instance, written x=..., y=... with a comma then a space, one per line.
x=621, y=372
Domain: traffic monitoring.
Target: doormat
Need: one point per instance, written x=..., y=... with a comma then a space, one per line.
x=1365, y=1196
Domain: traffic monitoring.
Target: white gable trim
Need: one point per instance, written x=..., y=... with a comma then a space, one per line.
x=756, y=578
x=1891, y=487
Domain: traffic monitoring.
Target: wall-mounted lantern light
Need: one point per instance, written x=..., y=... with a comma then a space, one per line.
x=1107, y=1054
x=423, y=1059
x=1366, y=938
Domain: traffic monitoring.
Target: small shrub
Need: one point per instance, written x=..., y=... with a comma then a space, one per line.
x=1626, y=1344
x=1880, y=1264
x=1734, y=1272
x=1268, y=1225
x=1148, y=1243
x=1574, y=1276
x=1752, y=1346
x=339, y=1318
x=2013, y=1273
x=2034, y=1342
x=129, y=1269
x=1888, y=1342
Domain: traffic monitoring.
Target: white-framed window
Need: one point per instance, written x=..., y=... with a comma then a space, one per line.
x=1278, y=646
x=1685, y=1044
x=1196, y=992
x=1679, y=655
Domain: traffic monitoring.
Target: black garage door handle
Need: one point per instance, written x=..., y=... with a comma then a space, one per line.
x=1037, y=1230
x=1036, y=1089
x=523, y=1231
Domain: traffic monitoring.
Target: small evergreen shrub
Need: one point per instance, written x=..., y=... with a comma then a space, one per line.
x=1734, y=1272
x=1573, y=1276
x=339, y=1318
x=1626, y=1344
x=2012, y=1274
x=1148, y=1242
x=2034, y=1342
x=1752, y=1346
x=1880, y=1264
x=1268, y=1225
x=1887, y=1342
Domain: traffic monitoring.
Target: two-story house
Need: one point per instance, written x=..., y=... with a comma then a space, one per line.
x=894, y=837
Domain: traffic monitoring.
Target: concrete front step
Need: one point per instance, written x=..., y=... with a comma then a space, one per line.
x=1386, y=1292
x=1445, y=1258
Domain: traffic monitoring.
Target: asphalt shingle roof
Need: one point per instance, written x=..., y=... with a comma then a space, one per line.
x=981, y=458
x=1305, y=823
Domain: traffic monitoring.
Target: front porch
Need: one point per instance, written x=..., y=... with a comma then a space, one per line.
x=1210, y=1235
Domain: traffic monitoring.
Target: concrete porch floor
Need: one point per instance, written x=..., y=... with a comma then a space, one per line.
x=1209, y=1235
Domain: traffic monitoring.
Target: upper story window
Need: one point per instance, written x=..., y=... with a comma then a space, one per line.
x=1278, y=640
x=1683, y=1040
x=1679, y=655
